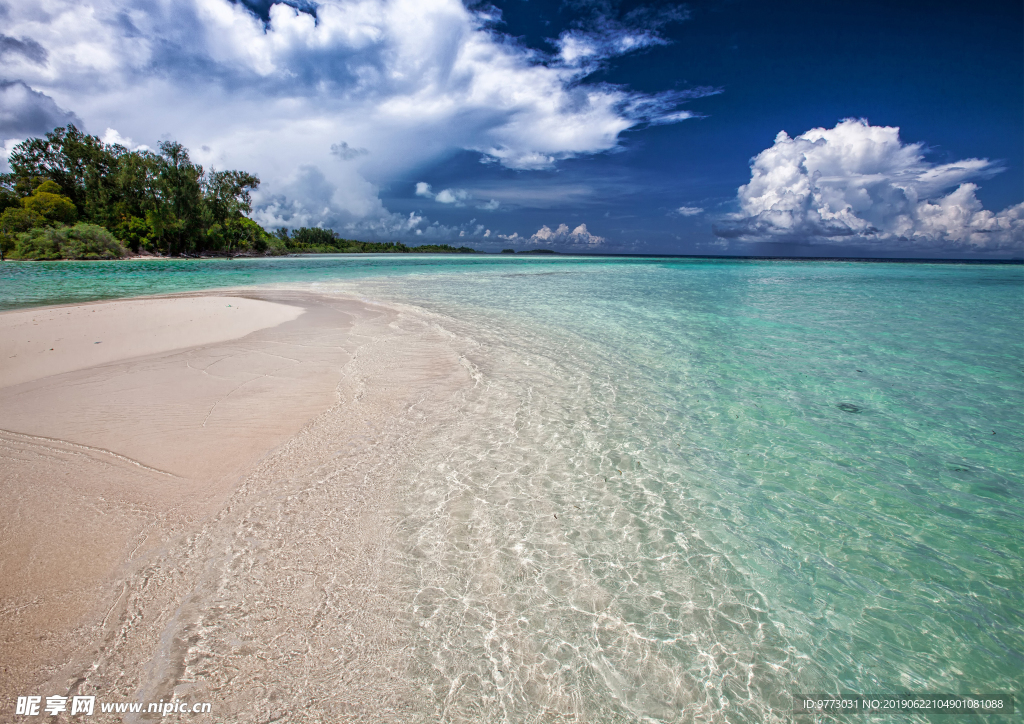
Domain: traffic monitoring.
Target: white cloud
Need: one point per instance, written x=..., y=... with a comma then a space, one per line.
x=452, y=196
x=858, y=183
x=458, y=197
x=111, y=136
x=491, y=205
x=689, y=210
x=5, y=152
x=605, y=35
x=562, y=236
x=422, y=79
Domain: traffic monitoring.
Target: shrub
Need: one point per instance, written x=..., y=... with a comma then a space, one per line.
x=16, y=220
x=88, y=241
x=81, y=241
x=275, y=246
x=38, y=244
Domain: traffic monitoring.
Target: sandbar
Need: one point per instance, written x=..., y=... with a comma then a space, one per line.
x=132, y=460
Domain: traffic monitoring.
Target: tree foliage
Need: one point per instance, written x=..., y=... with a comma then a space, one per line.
x=158, y=202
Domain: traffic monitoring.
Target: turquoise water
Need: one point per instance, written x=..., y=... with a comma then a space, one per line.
x=39, y=283
x=688, y=489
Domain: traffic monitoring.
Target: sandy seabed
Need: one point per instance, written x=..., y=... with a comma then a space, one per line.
x=199, y=496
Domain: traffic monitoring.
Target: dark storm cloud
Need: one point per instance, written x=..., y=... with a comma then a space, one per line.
x=346, y=153
x=25, y=47
x=26, y=112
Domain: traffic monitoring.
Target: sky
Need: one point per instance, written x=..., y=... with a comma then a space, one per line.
x=727, y=127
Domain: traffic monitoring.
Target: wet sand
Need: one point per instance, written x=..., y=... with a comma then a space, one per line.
x=202, y=505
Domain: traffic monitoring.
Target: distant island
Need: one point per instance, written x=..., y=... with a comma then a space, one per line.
x=69, y=195
x=326, y=241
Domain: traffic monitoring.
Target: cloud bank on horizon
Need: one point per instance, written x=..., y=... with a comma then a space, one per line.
x=578, y=239
x=858, y=183
x=326, y=104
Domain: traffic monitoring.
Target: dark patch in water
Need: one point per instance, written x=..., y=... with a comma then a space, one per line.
x=954, y=512
x=847, y=407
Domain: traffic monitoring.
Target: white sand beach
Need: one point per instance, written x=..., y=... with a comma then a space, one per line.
x=211, y=454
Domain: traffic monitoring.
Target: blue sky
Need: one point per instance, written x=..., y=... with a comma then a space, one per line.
x=578, y=126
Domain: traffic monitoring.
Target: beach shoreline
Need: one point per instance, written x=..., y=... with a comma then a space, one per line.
x=124, y=459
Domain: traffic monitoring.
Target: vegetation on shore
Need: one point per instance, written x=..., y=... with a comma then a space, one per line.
x=327, y=241
x=69, y=195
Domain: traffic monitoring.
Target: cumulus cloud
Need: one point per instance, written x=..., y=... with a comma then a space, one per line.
x=452, y=196
x=27, y=112
x=111, y=136
x=858, y=183
x=458, y=197
x=309, y=198
x=269, y=87
x=262, y=7
x=689, y=210
x=562, y=236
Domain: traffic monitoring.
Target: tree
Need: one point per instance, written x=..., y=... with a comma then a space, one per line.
x=75, y=161
x=48, y=202
x=177, y=216
x=45, y=207
x=158, y=201
x=226, y=200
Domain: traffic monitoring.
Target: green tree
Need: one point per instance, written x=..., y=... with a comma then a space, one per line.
x=158, y=201
x=13, y=221
x=45, y=207
x=176, y=218
x=130, y=194
x=74, y=160
x=49, y=203
x=226, y=200
x=8, y=198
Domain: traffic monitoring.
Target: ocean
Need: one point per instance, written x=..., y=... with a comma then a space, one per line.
x=690, y=489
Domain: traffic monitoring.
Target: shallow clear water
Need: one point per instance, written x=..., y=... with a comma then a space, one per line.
x=691, y=488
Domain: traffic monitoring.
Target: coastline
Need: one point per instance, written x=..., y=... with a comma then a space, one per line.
x=140, y=477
